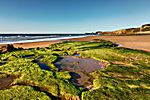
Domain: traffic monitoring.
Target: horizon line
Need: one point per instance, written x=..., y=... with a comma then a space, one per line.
x=43, y=32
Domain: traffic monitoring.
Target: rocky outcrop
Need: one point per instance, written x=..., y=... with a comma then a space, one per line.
x=6, y=47
x=99, y=32
x=127, y=31
x=10, y=47
x=3, y=48
x=141, y=29
x=145, y=27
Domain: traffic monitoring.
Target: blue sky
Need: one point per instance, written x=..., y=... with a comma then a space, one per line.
x=72, y=15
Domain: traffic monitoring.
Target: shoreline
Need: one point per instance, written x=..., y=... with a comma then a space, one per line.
x=42, y=40
x=141, y=42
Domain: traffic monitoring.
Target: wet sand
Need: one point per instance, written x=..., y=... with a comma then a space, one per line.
x=141, y=42
x=34, y=44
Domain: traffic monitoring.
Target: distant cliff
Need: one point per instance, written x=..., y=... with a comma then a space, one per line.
x=144, y=29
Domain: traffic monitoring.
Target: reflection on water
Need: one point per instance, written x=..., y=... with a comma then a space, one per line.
x=79, y=68
x=43, y=66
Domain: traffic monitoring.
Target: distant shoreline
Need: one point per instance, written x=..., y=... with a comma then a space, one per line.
x=42, y=40
x=140, y=42
x=133, y=42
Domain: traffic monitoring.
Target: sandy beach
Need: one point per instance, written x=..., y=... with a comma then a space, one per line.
x=141, y=42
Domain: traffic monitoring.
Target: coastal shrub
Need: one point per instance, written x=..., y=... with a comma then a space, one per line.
x=146, y=28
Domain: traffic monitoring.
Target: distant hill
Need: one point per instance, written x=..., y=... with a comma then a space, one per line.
x=144, y=29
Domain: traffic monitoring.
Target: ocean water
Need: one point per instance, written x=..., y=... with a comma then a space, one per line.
x=24, y=38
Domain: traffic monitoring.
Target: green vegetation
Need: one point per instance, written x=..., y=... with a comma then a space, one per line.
x=23, y=93
x=127, y=75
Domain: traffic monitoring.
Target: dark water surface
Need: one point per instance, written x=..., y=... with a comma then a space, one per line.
x=80, y=68
x=21, y=38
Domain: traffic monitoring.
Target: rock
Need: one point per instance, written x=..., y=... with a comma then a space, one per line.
x=145, y=25
x=99, y=32
x=3, y=48
x=144, y=28
x=10, y=47
x=104, y=33
x=6, y=47
x=127, y=31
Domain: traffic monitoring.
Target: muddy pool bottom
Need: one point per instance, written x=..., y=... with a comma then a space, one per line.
x=79, y=68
